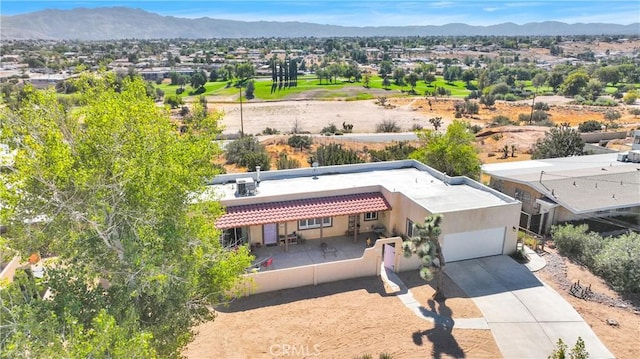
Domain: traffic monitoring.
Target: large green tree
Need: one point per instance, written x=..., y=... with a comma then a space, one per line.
x=560, y=141
x=575, y=83
x=108, y=190
x=452, y=152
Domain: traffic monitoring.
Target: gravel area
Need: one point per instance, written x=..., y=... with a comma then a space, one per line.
x=557, y=268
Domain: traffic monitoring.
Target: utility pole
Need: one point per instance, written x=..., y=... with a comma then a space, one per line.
x=241, y=119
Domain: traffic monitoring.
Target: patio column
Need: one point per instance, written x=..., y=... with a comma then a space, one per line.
x=355, y=227
x=286, y=237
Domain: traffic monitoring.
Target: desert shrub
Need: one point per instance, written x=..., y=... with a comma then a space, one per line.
x=524, y=117
x=590, y=126
x=541, y=106
x=270, y=131
x=387, y=126
x=284, y=162
x=416, y=127
x=547, y=123
x=300, y=142
x=539, y=115
x=496, y=136
x=500, y=88
x=253, y=159
x=619, y=263
x=576, y=242
x=331, y=129
x=472, y=107
x=441, y=91
x=473, y=95
x=630, y=97
x=635, y=112
x=577, y=352
x=510, y=97
x=247, y=152
x=502, y=120
x=397, y=151
x=475, y=128
x=605, y=101
x=333, y=154
x=173, y=101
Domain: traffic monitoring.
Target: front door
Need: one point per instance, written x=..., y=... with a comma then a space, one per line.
x=389, y=254
x=270, y=234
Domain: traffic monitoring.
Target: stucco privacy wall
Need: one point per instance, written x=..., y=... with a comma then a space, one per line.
x=367, y=265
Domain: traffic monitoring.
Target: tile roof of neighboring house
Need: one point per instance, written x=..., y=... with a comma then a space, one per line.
x=294, y=210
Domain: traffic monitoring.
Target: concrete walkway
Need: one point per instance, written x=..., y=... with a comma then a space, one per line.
x=406, y=297
x=525, y=316
x=535, y=261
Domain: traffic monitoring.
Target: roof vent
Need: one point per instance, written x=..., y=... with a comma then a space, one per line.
x=245, y=187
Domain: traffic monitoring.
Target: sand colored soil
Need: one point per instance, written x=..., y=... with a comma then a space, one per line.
x=621, y=340
x=408, y=113
x=341, y=320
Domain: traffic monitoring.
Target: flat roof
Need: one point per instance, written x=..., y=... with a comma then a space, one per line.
x=581, y=184
x=431, y=189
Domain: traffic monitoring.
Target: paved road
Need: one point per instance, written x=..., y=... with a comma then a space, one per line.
x=380, y=137
x=525, y=316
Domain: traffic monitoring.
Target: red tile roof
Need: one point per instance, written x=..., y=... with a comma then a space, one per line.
x=294, y=210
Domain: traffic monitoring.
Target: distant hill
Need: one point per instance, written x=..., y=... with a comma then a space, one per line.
x=126, y=23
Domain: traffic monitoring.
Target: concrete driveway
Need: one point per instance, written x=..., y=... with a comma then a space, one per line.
x=525, y=316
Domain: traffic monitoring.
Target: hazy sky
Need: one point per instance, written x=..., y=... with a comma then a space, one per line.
x=368, y=13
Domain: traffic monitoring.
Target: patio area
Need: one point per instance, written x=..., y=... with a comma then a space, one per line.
x=311, y=252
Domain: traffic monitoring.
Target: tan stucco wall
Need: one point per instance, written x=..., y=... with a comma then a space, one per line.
x=509, y=189
x=367, y=265
x=472, y=220
x=255, y=234
x=507, y=215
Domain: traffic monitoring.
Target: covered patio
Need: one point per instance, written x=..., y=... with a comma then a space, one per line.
x=312, y=220
x=311, y=252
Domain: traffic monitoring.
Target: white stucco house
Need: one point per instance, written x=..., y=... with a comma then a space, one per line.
x=341, y=205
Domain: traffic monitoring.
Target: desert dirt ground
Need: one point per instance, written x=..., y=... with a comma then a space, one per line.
x=342, y=320
x=313, y=115
x=620, y=339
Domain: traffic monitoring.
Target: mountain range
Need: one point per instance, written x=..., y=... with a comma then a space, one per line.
x=110, y=23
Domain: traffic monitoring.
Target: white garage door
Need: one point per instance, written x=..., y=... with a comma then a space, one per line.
x=474, y=244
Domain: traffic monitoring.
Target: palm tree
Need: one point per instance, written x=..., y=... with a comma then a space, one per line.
x=427, y=246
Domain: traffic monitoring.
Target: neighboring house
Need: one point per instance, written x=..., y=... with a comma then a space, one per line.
x=571, y=188
x=386, y=198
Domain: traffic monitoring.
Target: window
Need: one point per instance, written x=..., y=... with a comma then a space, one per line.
x=371, y=216
x=410, y=228
x=522, y=196
x=496, y=184
x=315, y=223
